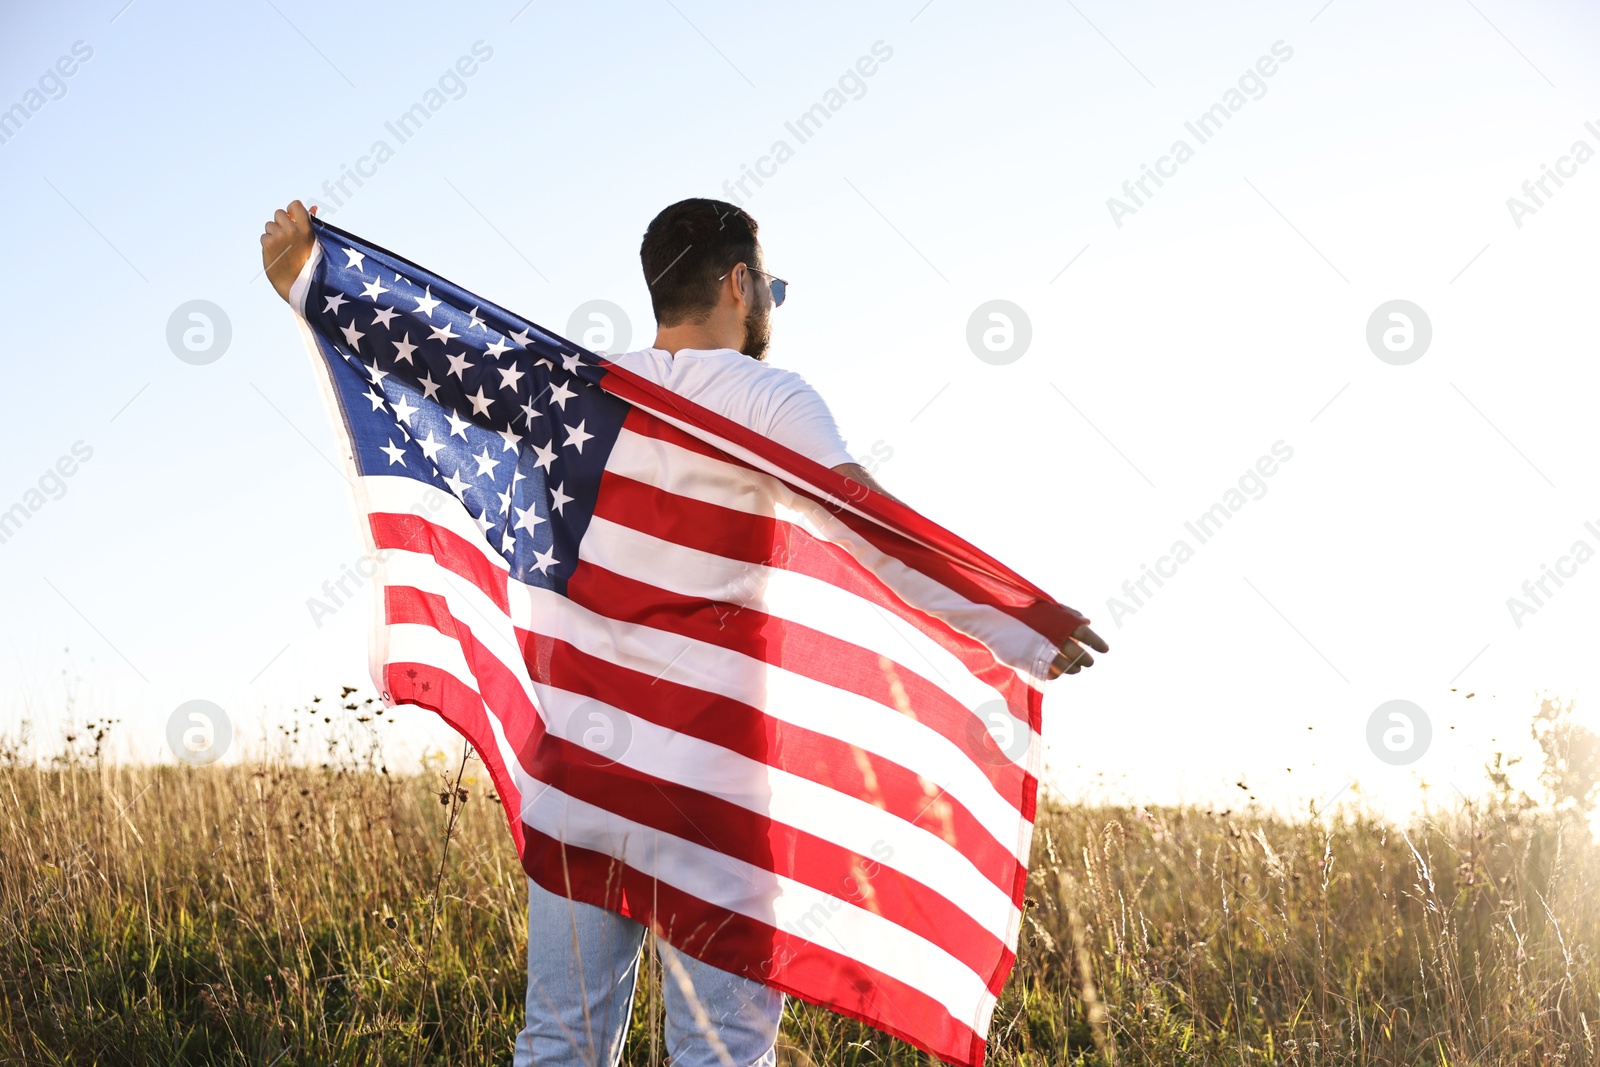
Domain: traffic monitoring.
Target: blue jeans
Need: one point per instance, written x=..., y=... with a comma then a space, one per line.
x=583, y=964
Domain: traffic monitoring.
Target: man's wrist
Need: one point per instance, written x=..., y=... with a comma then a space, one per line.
x=302, y=281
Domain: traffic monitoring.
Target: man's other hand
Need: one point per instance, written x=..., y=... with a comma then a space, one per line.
x=1073, y=657
x=286, y=245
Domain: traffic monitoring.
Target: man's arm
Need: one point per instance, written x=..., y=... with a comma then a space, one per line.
x=858, y=476
x=1072, y=657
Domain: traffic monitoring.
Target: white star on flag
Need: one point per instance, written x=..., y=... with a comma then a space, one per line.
x=426, y=303
x=547, y=456
x=576, y=435
x=430, y=447
x=558, y=499
x=526, y=519
x=486, y=465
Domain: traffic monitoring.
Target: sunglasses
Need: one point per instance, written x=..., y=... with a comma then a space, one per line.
x=778, y=286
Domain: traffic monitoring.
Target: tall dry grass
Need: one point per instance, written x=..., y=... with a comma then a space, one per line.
x=279, y=913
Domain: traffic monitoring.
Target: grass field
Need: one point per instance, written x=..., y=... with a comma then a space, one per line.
x=278, y=913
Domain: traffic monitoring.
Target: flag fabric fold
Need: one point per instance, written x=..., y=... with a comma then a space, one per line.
x=786, y=722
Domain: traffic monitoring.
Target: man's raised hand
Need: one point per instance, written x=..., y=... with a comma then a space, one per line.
x=1073, y=657
x=286, y=245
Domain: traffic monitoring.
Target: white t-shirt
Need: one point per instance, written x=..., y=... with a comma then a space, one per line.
x=773, y=402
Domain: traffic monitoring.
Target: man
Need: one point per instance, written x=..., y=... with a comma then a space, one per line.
x=713, y=300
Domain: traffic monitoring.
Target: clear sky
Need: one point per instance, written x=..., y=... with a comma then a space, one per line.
x=1357, y=153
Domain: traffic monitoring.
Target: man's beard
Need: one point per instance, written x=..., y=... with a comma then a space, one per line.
x=757, y=333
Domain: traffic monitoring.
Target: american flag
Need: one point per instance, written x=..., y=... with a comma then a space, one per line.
x=785, y=722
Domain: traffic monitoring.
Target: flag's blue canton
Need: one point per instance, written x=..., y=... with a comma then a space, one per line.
x=506, y=417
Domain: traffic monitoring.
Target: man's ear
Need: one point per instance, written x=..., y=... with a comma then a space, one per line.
x=738, y=277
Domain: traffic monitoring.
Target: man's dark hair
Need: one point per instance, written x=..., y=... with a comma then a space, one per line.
x=686, y=249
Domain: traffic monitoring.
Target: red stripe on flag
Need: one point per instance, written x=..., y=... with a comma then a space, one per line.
x=645, y=424
x=438, y=691
x=413, y=533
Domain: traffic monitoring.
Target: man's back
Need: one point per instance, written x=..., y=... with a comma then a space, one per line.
x=776, y=403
